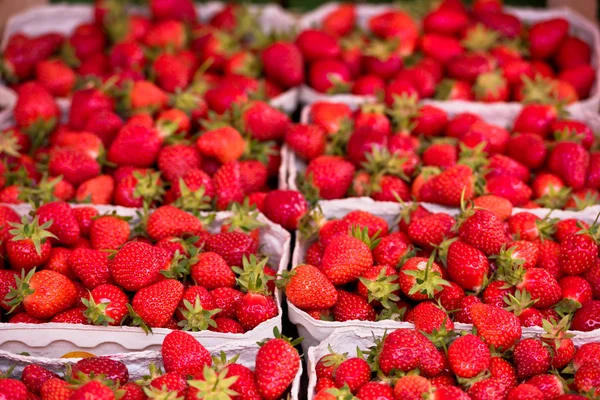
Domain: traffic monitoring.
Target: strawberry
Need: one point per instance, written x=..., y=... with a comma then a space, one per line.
x=277, y=363
x=587, y=378
x=144, y=139
x=177, y=160
x=498, y=205
x=468, y=67
x=227, y=299
x=283, y=63
x=90, y=266
x=340, y=21
x=396, y=24
x=447, y=187
x=168, y=221
x=531, y=358
x=285, y=207
x=352, y=307
x=264, y=122
x=111, y=369
x=63, y=223
x=572, y=52
x=484, y=231
x=535, y=118
x=491, y=87
x=570, y=161
x=29, y=245
x=211, y=271
x=228, y=185
x=353, y=373
x=445, y=21
x=468, y=356
x=345, y=258
x=331, y=175
x=411, y=387
x=450, y=298
x=586, y=318
x=375, y=390
x=75, y=166
x=581, y=77
x=429, y=318
x=56, y=77
x=329, y=76
x=107, y=305
x=307, y=141
x=34, y=376
x=449, y=89
x=536, y=152
x=7, y=282
x=593, y=278
x=154, y=305
x=88, y=106
x=578, y=253
x=56, y=389
x=545, y=37
x=109, y=232
x=420, y=278
x=308, y=288
x=13, y=389
x=467, y=266
x=36, y=110
x=137, y=265
x=183, y=354
x=391, y=249
x=256, y=306
x=43, y=294
x=489, y=388
x=495, y=326
x=317, y=45
x=431, y=230
x=586, y=353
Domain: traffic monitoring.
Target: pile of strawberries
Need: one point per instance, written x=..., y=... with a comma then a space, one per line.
x=492, y=364
x=189, y=373
x=453, y=53
x=432, y=268
x=226, y=58
x=411, y=151
x=72, y=265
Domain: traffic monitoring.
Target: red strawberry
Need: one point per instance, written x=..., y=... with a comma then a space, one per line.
x=307, y=288
x=491, y=87
x=34, y=376
x=154, y=305
x=317, y=45
x=75, y=166
x=445, y=21
x=396, y=24
x=421, y=279
x=429, y=318
x=582, y=78
x=277, y=363
x=430, y=231
x=447, y=187
x=587, y=318
x=90, y=266
x=578, y=253
x=535, y=118
x=87, y=107
x=531, y=358
x=350, y=306
x=282, y=63
x=107, y=305
x=572, y=52
x=570, y=161
x=467, y=266
x=546, y=36
x=56, y=77
x=468, y=356
x=228, y=185
x=111, y=369
x=353, y=372
x=308, y=141
x=36, y=110
x=536, y=152
x=375, y=390
x=495, y=326
x=285, y=207
x=331, y=175
x=134, y=136
x=329, y=76
x=345, y=258
x=13, y=389
x=484, y=231
x=137, y=265
x=63, y=223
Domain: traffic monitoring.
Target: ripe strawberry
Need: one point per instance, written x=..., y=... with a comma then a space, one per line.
x=285, y=207
x=447, y=187
x=317, y=45
x=345, y=258
x=211, y=271
x=34, y=376
x=501, y=207
x=36, y=109
x=154, y=305
x=168, y=221
x=429, y=318
x=490, y=388
x=111, y=369
x=430, y=231
x=581, y=77
x=468, y=356
x=277, y=363
x=56, y=77
x=75, y=166
x=531, y=358
x=570, y=161
x=442, y=155
x=587, y=318
x=536, y=152
x=396, y=24
x=228, y=185
x=350, y=306
x=495, y=326
x=308, y=288
x=353, y=372
x=90, y=266
x=177, y=160
x=535, y=118
x=137, y=265
x=283, y=63
x=545, y=37
x=308, y=141
x=56, y=389
x=331, y=175
x=224, y=144
x=145, y=140
x=467, y=266
x=578, y=253
x=411, y=387
x=340, y=21
x=109, y=232
x=491, y=87
x=43, y=294
x=484, y=231
x=232, y=246
x=29, y=244
x=375, y=390
x=572, y=52
x=593, y=278
x=13, y=389
x=329, y=76
x=88, y=106
x=107, y=305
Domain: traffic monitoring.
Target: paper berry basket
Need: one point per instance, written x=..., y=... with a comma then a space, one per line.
x=579, y=26
x=315, y=331
x=55, y=339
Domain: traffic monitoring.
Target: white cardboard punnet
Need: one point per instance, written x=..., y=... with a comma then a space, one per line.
x=138, y=362
x=64, y=18
x=55, y=339
x=315, y=331
x=579, y=26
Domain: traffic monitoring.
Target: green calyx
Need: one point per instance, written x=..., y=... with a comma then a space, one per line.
x=42, y=193
x=311, y=223
x=342, y=393
x=518, y=302
x=427, y=282
x=383, y=289
x=32, y=231
x=480, y=38
x=252, y=277
x=363, y=236
x=214, y=386
x=96, y=312
x=381, y=162
x=244, y=217
x=192, y=200
x=196, y=318
x=16, y=295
